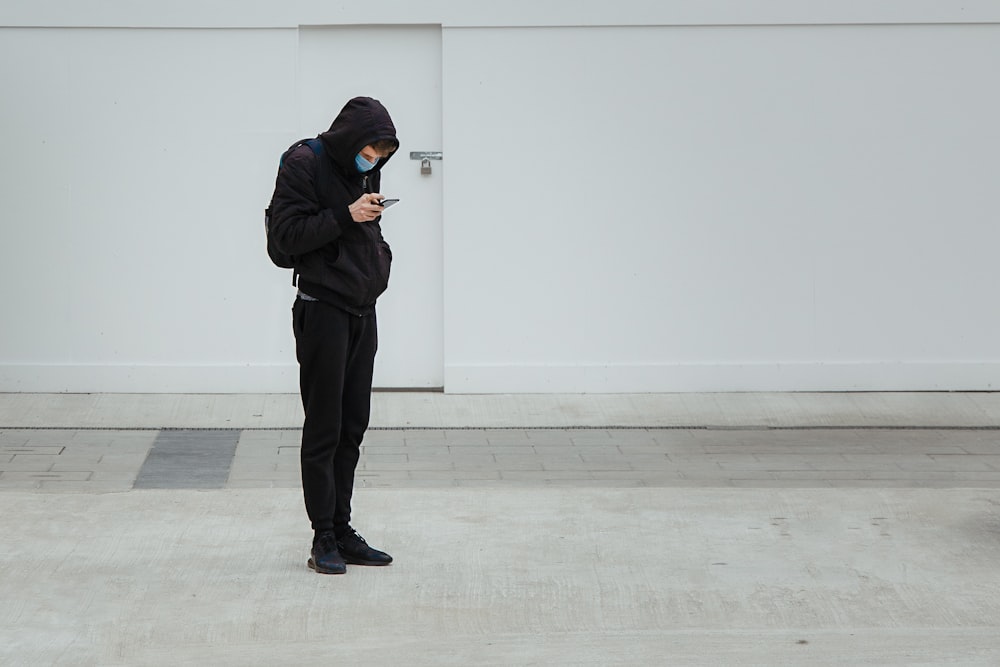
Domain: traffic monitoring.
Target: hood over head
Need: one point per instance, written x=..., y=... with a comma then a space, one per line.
x=362, y=121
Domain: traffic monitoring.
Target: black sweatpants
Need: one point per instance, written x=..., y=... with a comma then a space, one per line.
x=336, y=354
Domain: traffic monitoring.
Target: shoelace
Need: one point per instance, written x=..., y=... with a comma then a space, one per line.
x=354, y=535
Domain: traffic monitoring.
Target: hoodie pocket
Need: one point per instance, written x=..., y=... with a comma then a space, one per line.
x=384, y=260
x=380, y=263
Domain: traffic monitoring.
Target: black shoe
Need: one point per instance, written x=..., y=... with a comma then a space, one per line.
x=325, y=557
x=356, y=551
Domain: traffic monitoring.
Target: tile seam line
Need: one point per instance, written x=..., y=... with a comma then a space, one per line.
x=565, y=427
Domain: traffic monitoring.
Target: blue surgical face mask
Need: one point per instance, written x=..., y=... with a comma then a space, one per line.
x=363, y=164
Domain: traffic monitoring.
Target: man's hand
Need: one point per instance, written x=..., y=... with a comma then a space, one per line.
x=366, y=208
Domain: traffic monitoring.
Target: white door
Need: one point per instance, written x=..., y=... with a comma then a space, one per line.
x=401, y=67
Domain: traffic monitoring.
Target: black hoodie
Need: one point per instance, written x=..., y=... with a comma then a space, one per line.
x=339, y=261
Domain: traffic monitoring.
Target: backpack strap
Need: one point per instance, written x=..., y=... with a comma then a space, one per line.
x=315, y=144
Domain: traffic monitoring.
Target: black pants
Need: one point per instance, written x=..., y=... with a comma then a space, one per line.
x=336, y=354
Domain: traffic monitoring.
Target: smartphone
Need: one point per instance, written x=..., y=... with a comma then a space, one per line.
x=386, y=203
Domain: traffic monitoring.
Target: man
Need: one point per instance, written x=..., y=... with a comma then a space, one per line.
x=325, y=213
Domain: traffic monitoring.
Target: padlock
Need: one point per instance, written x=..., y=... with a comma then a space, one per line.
x=425, y=166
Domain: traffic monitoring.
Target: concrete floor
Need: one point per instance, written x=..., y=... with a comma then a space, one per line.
x=783, y=530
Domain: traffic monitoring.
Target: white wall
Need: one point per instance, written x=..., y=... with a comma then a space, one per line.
x=136, y=168
x=732, y=208
x=675, y=198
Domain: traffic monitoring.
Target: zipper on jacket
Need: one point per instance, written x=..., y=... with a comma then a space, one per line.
x=373, y=245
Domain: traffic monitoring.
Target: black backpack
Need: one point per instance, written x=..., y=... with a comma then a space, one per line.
x=279, y=258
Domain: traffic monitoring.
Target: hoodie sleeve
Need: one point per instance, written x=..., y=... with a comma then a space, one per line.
x=298, y=224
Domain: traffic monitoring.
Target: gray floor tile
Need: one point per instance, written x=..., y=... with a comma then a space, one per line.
x=188, y=459
x=812, y=457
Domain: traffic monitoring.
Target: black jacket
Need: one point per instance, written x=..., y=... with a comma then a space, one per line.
x=339, y=261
